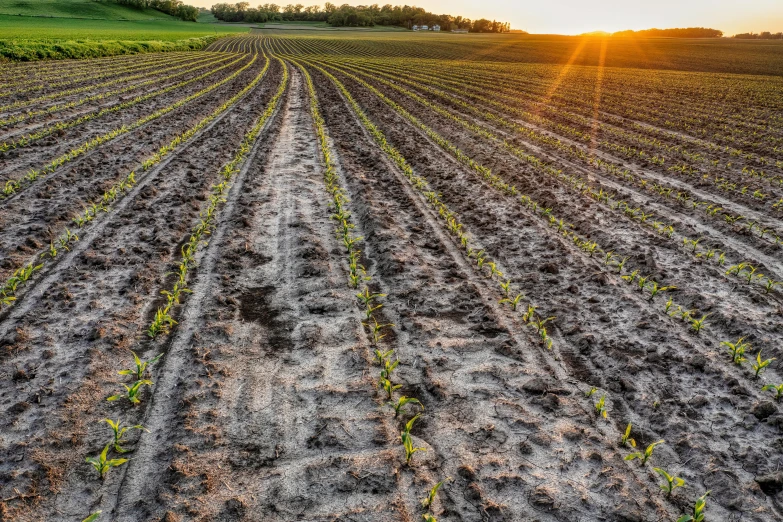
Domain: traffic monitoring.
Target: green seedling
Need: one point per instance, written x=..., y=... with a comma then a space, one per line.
x=620, y=264
x=375, y=329
x=428, y=518
x=669, y=304
x=528, y=316
x=626, y=439
x=760, y=365
x=644, y=456
x=430, y=498
x=367, y=298
x=778, y=389
x=655, y=289
x=132, y=392
x=388, y=368
x=771, y=284
x=737, y=350
x=388, y=387
x=698, y=510
x=591, y=391
x=401, y=402
x=600, y=406
x=141, y=366
x=512, y=302
x=102, y=464
x=642, y=282
x=162, y=323
x=698, y=324
x=672, y=482
x=407, y=440
x=630, y=277
x=119, y=431
x=382, y=356
x=506, y=287
x=93, y=517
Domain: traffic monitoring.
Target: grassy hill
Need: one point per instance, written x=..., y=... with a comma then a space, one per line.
x=52, y=29
x=99, y=10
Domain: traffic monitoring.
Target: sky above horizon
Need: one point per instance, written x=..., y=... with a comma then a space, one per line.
x=580, y=16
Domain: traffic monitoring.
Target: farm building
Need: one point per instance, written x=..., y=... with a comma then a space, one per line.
x=435, y=28
x=459, y=30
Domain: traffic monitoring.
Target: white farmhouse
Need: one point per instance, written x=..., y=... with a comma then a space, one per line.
x=415, y=28
x=424, y=28
x=436, y=27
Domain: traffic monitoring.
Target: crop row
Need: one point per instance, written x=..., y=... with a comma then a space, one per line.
x=369, y=300
x=606, y=198
x=189, y=67
x=13, y=186
x=140, y=373
x=92, y=209
x=63, y=125
x=695, y=323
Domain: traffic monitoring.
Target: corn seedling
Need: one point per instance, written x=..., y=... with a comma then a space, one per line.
x=770, y=284
x=401, y=402
x=600, y=406
x=375, y=329
x=655, y=289
x=407, y=440
x=698, y=510
x=93, y=517
x=429, y=518
x=119, y=431
x=630, y=277
x=737, y=350
x=672, y=482
x=367, y=298
x=668, y=305
x=626, y=439
x=382, y=356
x=591, y=391
x=388, y=368
x=760, y=365
x=162, y=323
x=528, y=316
x=132, y=392
x=506, y=287
x=430, y=498
x=141, y=366
x=388, y=387
x=778, y=389
x=513, y=302
x=645, y=455
x=620, y=264
x=698, y=324
x=102, y=464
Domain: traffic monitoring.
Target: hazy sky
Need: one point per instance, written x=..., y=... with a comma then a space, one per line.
x=579, y=16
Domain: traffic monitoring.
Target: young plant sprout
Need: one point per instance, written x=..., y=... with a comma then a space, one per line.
x=698, y=324
x=388, y=387
x=760, y=365
x=644, y=456
x=401, y=402
x=778, y=389
x=382, y=356
x=430, y=498
x=737, y=350
x=428, y=518
x=626, y=439
x=672, y=482
x=132, y=392
x=698, y=510
x=407, y=440
x=591, y=391
x=600, y=406
x=512, y=302
x=141, y=366
x=375, y=329
x=119, y=431
x=655, y=289
x=102, y=464
x=93, y=517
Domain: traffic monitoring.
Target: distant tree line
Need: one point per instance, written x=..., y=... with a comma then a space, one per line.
x=765, y=35
x=689, y=32
x=353, y=16
x=172, y=7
